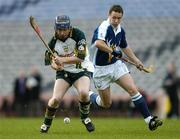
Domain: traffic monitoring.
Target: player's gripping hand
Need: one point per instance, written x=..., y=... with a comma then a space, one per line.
x=116, y=53
x=139, y=64
x=56, y=66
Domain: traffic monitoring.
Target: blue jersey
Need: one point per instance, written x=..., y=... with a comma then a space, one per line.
x=114, y=39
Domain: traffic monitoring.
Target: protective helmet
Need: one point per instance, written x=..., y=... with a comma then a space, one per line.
x=62, y=22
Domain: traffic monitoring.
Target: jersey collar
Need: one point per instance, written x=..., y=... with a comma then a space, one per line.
x=116, y=30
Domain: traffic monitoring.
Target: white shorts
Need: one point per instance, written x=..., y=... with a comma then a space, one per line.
x=105, y=75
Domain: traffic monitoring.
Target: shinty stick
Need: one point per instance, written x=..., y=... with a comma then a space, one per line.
x=36, y=28
x=149, y=69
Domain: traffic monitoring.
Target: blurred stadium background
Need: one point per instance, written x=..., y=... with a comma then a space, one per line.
x=152, y=30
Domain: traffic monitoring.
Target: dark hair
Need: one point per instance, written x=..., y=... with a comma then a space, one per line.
x=116, y=8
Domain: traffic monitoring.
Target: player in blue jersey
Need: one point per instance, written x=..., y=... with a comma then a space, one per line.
x=108, y=42
x=72, y=68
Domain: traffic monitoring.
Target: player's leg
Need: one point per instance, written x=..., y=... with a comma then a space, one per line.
x=102, y=78
x=60, y=88
x=83, y=85
x=127, y=83
x=102, y=99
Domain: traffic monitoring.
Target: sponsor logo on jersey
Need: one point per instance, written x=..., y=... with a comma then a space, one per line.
x=66, y=49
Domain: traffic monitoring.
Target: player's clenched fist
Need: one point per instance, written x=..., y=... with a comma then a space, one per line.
x=56, y=66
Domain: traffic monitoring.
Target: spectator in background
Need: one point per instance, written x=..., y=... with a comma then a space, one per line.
x=33, y=84
x=170, y=85
x=20, y=94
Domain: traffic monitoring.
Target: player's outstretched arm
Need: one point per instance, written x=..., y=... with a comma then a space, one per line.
x=100, y=44
x=128, y=51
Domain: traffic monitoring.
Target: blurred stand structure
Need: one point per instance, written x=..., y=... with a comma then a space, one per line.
x=152, y=31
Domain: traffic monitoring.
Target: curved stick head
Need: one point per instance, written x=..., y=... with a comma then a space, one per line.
x=31, y=21
x=149, y=69
x=34, y=25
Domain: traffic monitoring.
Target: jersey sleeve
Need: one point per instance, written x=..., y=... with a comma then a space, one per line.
x=81, y=44
x=47, y=58
x=102, y=30
x=123, y=43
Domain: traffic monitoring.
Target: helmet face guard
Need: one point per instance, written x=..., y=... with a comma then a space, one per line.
x=62, y=22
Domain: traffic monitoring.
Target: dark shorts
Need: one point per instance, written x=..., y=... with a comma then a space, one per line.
x=72, y=77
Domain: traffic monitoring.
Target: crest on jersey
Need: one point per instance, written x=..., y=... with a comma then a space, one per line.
x=66, y=49
x=101, y=35
x=113, y=46
x=81, y=48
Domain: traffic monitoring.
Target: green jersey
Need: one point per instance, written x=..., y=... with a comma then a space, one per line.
x=74, y=45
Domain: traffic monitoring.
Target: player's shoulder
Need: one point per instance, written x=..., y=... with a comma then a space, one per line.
x=77, y=34
x=77, y=31
x=104, y=24
x=122, y=30
x=53, y=39
x=52, y=42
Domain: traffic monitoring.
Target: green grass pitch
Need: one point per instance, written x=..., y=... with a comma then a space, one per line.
x=106, y=128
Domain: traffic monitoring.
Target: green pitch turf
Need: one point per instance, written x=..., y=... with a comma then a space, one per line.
x=106, y=128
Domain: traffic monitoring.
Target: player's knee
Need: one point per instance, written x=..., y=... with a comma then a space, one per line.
x=53, y=102
x=84, y=95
